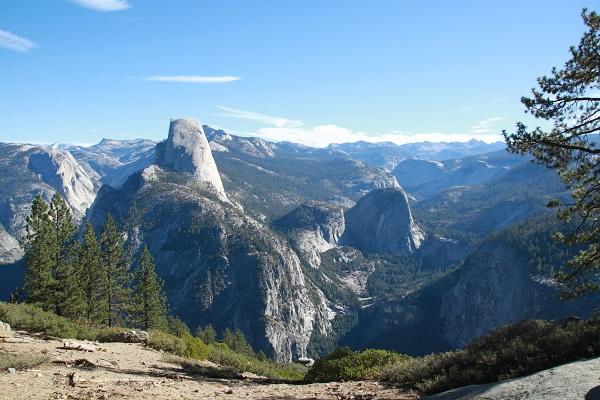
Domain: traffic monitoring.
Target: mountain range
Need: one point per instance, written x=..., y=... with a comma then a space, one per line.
x=417, y=248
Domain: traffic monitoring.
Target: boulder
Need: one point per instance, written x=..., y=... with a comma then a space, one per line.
x=5, y=330
x=133, y=336
x=306, y=361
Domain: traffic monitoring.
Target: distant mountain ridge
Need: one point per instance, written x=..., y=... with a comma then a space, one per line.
x=302, y=248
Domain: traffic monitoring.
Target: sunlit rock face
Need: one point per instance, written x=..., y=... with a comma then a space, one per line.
x=187, y=150
x=381, y=222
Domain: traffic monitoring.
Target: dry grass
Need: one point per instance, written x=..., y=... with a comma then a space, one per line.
x=22, y=361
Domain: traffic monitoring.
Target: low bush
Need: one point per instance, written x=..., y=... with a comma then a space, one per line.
x=517, y=350
x=33, y=319
x=195, y=367
x=345, y=364
x=22, y=361
x=222, y=355
x=195, y=348
x=160, y=340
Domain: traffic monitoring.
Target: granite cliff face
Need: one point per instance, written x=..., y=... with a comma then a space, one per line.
x=27, y=170
x=114, y=160
x=508, y=278
x=187, y=150
x=381, y=222
x=220, y=266
x=313, y=228
x=59, y=169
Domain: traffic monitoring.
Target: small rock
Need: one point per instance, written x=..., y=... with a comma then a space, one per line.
x=306, y=361
x=229, y=391
x=12, y=371
x=5, y=330
x=71, y=344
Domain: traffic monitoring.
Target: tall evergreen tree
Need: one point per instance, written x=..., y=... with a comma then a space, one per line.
x=38, y=255
x=207, y=334
x=569, y=100
x=149, y=307
x=92, y=278
x=116, y=270
x=66, y=296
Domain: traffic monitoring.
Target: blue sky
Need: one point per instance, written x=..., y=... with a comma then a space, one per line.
x=308, y=71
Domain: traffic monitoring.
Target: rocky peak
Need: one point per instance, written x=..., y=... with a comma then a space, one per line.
x=382, y=222
x=187, y=150
x=61, y=171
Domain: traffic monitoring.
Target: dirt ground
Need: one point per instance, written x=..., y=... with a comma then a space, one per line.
x=130, y=371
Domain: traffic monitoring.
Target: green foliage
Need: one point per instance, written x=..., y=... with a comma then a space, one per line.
x=149, y=308
x=344, y=364
x=38, y=256
x=177, y=327
x=50, y=258
x=117, y=274
x=166, y=342
x=195, y=348
x=92, y=278
x=207, y=334
x=32, y=318
x=568, y=99
x=237, y=342
x=224, y=356
x=517, y=350
x=67, y=296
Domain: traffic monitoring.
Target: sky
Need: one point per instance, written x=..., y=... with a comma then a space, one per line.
x=311, y=71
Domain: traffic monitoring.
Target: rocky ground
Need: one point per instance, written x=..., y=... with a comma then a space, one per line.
x=131, y=371
x=575, y=381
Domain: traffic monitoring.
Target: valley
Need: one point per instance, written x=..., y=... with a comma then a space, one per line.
x=306, y=249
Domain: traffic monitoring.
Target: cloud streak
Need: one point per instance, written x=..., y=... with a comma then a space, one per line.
x=15, y=42
x=192, y=79
x=279, y=122
x=283, y=129
x=485, y=125
x=103, y=5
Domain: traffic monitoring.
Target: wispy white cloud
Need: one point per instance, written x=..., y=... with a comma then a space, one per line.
x=486, y=125
x=193, y=79
x=279, y=122
x=104, y=5
x=283, y=129
x=15, y=42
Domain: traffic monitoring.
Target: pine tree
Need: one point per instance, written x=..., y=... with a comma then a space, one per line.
x=92, y=278
x=66, y=294
x=149, y=302
x=205, y=294
x=116, y=271
x=38, y=257
x=207, y=334
x=568, y=99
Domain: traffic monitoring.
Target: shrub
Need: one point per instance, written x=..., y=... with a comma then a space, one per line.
x=345, y=364
x=166, y=342
x=178, y=328
x=33, y=319
x=22, y=361
x=193, y=367
x=222, y=355
x=195, y=348
x=109, y=334
x=517, y=350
